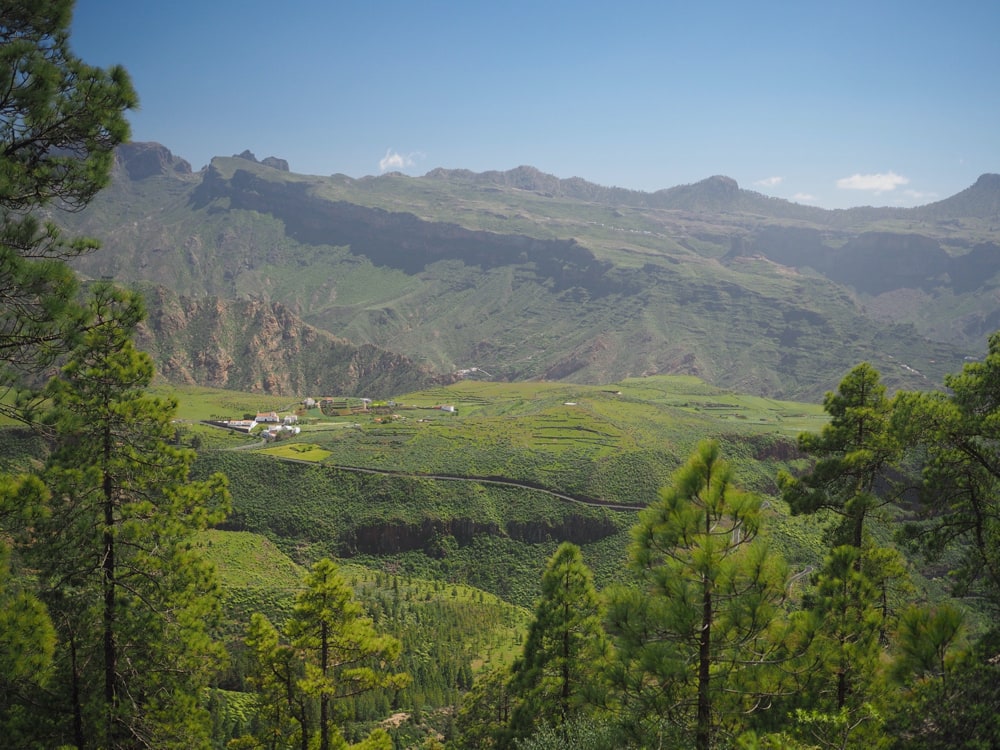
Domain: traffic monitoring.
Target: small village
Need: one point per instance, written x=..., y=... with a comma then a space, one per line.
x=277, y=426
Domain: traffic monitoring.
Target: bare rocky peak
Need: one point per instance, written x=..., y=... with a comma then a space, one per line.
x=141, y=160
x=271, y=161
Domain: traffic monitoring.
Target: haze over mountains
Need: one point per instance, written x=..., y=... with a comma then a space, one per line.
x=262, y=279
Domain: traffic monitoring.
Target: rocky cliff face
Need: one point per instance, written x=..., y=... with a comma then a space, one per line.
x=142, y=160
x=393, y=538
x=257, y=346
x=270, y=161
x=878, y=262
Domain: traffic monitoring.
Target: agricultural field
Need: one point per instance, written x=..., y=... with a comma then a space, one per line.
x=297, y=452
x=565, y=437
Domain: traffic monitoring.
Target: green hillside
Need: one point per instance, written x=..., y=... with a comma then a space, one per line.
x=483, y=494
x=450, y=633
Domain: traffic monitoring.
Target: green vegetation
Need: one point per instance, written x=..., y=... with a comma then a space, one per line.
x=255, y=576
x=134, y=606
x=695, y=635
x=197, y=403
x=449, y=632
x=327, y=652
x=298, y=452
x=962, y=474
x=60, y=123
x=366, y=585
x=406, y=517
x=566, y=654
x=613, y=444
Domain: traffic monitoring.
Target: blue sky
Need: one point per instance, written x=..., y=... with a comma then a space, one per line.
x=831, y=104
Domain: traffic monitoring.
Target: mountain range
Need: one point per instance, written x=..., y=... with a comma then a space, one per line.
x=261, y=279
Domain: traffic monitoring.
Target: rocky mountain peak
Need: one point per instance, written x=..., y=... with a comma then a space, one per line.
x=987, y=181
x=721, y=183
x=271, y=161
x=141, y=160
x=980, y=200
x=716, y=193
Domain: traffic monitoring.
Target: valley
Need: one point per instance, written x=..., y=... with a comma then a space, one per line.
x=535, y=464
x=474, y=371
x=484, y=461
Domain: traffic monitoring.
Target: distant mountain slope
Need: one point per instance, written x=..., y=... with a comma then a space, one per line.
x=524, y=275
x=716, y=193
x=978, y=201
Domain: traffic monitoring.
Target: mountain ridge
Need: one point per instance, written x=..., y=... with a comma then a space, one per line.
x=528, y=276
x=979, y=200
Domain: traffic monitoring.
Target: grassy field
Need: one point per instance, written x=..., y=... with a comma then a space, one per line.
x=200, y=403
x=563, y=436
x=298, y=452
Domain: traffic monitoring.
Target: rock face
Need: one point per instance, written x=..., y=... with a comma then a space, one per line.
x=142, y=160
x=393, y=538
x=261, y=347
x=271, y=161
x=275, y=163
x=879, y=262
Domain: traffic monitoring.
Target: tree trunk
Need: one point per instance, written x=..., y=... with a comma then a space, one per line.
x=841, y=689
x=703, y=732
x=78, y=736
x=108, y=570
x=564, y=698
x=324, y=697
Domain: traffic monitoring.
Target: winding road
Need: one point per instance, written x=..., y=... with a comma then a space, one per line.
x=504, y=481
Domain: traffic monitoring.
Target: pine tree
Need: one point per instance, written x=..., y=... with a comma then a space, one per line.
x=133, y=600
x=950, y=696
x=835, y=704
x=856, y=453
x=959, y=431
x=693, y=639
x=848, y=622
x=27, y=636
x=283, y=709
x=60, y=121
x=926, y=642
x=560, y=671
x=483, y=718
x=332, y=653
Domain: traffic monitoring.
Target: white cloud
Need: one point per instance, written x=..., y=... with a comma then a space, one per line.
x=875, y=183
x=804, y=198
x=394, y=160
x=770, y=181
